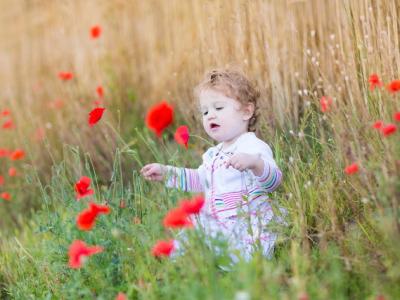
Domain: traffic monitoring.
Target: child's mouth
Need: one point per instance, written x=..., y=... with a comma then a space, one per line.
x=214, y=126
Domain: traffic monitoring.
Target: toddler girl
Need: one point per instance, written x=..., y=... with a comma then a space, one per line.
x=237, y=174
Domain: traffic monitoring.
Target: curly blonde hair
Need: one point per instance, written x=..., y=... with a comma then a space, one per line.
x=234, y=84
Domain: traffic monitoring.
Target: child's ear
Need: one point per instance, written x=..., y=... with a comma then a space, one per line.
x=248, y=111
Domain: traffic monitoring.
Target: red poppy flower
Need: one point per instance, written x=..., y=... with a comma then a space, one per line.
x=5, y=112
x=394, y=86
x=56, y=104
x=78, y=251
x=159, y=117
x=351, y=169
x=378, y=124
x=1, y=180
x=82, y=188
x=87, y=218
x=163, y=248
x=5, y=196
x=95, y=115
x=95, y=31
x=4, y=152
x=325, y=103
x=8, y=124
x=192, y=206
x=100, y=91
x=396, y=116
x=374, y=82
x=17, y=154
x=121, y=296
x=12, y=172
x=389, y=129
x=182, y=136
x=65, y=76
x=177, y=218
x=97, y=103
x=40, y=134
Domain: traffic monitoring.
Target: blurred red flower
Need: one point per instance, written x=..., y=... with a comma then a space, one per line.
x=82, y=187
x=5, y=196
x=17, y=154
x=351, y=169
x=159, y=117
x=396, y=116
x=8, y=124
x=5, y=112
x=192, y=206
x=177, y=218
x=1, y=180
x=325, y=103
x=65, y=76
x=95, y=31
x=182, y=136
x=374, y=82
x=40, y=134
x=56, y=104
x=121, y=296
x=394, y=86
x=95, y=115
x=389, y=129
x=163, y=248
x=12, y=172
x=4, y=152
x=87, y=218
x=378, y=124
x=100, y=91
x=78, y=250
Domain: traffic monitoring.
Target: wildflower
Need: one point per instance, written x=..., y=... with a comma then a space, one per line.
x=5, y=112
x=87, y=218
x=1, y=180
x=4, y=152
x=163, y=248
x=78, y=251
x=95, y=31
x=40, y=134
x=388, y=129
x=177, y=218
x=95, y=115
x=17, y=154
x=396, y=116
x=82, y=188
x=100, y=91
x=325, y=103
x=8, y=124
x=12, y=172
x=122, y=203
x=5, y=196
x=121, y=296
x=65, y=76
x=159, y=117
x=192, y=206
x=56, y=104
x=394, y=86
x=378, y=124
x=374, y=82
x=351, y=169
x=182, y=136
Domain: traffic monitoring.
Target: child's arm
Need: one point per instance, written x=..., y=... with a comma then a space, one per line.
x=263, y=167
x=185, y=179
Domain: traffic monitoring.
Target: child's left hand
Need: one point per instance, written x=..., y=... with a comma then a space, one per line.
x=242, y=161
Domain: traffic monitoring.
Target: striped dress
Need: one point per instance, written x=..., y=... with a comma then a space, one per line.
x=234, y=199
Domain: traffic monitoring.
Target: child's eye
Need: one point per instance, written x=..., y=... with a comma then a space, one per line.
x=219, y=108
x=205, y=113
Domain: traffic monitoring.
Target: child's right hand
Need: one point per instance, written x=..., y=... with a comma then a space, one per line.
x=154, y=172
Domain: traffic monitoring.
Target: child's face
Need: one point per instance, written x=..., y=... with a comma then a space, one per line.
x=224, y=119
